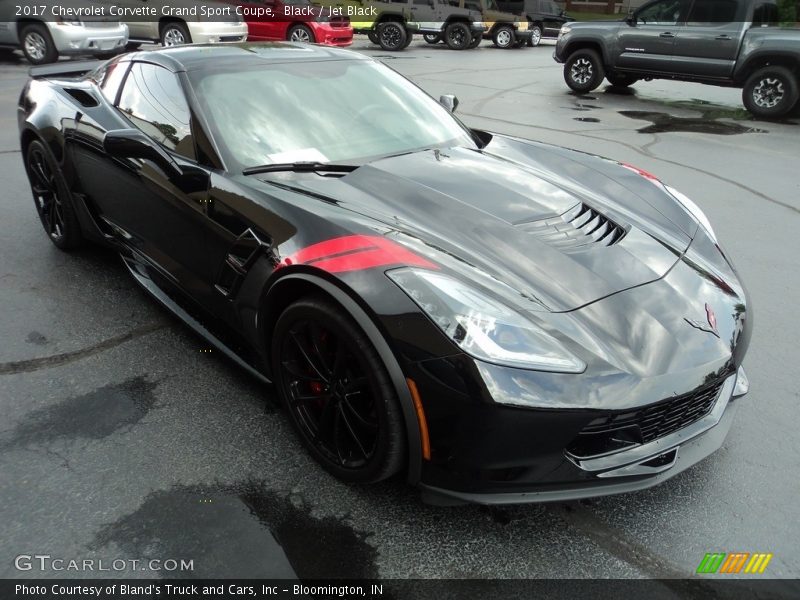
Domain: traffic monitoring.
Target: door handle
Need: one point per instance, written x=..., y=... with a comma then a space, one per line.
x=723, y=37
x=667, y=34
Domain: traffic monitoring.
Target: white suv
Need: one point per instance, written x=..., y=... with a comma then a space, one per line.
x=171, y=28
x=44, y=36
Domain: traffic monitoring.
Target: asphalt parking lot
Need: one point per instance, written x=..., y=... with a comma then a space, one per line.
x=123, y=438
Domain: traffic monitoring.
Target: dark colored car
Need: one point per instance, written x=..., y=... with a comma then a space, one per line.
x=730, y=43
x=545, y=17
x=498, y=320
x=296, y=21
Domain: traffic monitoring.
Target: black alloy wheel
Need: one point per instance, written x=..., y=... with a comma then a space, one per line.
x=337, y=391
x=457, y=36
x=476, y=41
x=392, y=36
x=50, y=196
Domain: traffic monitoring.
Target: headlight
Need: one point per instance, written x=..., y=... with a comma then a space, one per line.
x=694, y=210
x=482, y=326
x=565, y=29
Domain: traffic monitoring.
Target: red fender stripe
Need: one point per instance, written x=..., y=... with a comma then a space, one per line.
x=356, y=253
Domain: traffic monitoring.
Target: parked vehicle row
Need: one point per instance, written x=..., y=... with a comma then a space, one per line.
x=731, y=43
x=43, y=37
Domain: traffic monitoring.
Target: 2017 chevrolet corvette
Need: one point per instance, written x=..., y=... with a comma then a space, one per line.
x=501, y=320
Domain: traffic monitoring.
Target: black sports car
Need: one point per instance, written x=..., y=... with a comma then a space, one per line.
x=500, y=320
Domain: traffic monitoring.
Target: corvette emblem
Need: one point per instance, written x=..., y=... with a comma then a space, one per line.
x=711, y=318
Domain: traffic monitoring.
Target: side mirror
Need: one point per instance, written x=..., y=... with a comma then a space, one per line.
x=449, y=101
x=132, y=143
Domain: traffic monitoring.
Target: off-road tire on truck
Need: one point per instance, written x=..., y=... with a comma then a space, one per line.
x=457, y=36
x=583, y=70
x=770, y=92
x=504, y=37
x=392, y=36
x=432, y=38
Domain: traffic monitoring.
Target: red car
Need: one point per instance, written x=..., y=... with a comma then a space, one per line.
x=294, y=20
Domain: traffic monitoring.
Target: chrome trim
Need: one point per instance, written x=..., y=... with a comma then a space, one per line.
x=614, y=463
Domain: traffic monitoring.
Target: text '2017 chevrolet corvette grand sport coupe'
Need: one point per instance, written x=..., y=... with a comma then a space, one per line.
x=499, y=320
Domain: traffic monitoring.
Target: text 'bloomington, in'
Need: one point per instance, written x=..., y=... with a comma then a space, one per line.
x=194, y=591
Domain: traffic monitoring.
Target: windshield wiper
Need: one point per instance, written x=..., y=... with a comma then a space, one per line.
x=301, y=167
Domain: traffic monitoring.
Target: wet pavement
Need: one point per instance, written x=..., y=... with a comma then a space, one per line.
x=124, y=438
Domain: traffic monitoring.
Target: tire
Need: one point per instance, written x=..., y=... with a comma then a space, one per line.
x=338, y=394
x=392, y=35
x=476, y=41
x=175, y=33
x=432, y=38
x=373, y=37
x=409, y=39
x=536, y=35
x=457, y=36
x=37, y=45
x=770, y=92
x=583, y=71
x=620, y=80
x=504, y=37
x=51, y=197
x=300, y=33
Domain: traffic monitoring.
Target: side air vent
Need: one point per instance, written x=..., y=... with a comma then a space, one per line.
x=83, y=97
x=580, y=226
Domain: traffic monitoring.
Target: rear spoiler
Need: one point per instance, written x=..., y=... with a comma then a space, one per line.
x=67, y=68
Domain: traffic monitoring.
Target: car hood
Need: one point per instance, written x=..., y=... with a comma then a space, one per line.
x=509, y=217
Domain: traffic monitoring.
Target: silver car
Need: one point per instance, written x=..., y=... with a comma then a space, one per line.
x=182, y=22
x=43, y=34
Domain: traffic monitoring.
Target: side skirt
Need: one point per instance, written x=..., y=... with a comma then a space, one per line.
x=150, y=286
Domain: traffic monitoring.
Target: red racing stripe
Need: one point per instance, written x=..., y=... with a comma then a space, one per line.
x=356, y=253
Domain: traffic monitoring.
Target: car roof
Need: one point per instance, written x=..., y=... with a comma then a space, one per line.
x=198, y=56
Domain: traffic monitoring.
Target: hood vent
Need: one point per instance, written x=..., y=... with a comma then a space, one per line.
x=577, y=228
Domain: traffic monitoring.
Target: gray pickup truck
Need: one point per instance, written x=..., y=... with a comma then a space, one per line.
x=733, y=43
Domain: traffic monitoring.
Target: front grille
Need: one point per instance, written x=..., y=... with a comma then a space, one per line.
x=580, y=226
x=622, y=430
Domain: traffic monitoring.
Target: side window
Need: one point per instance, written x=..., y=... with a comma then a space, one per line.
x=706, y=12
x=111, y=78
x=153, y=100
x=663, y=12
x=765, y=15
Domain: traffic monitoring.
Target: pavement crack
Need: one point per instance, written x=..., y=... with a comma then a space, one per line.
x=56, y=360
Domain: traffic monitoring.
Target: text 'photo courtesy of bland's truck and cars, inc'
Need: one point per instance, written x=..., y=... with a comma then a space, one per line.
x=201, y=11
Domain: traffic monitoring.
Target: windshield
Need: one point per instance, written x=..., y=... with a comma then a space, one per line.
x=328, y=111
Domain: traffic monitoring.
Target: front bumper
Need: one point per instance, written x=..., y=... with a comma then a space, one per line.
x=82, y=39
x=210, y=32
x=639, y=468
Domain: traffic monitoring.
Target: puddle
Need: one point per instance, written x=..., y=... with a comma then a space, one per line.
x=664, y=123
x=586, y=119
x=246, y=532
x=95, y=415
